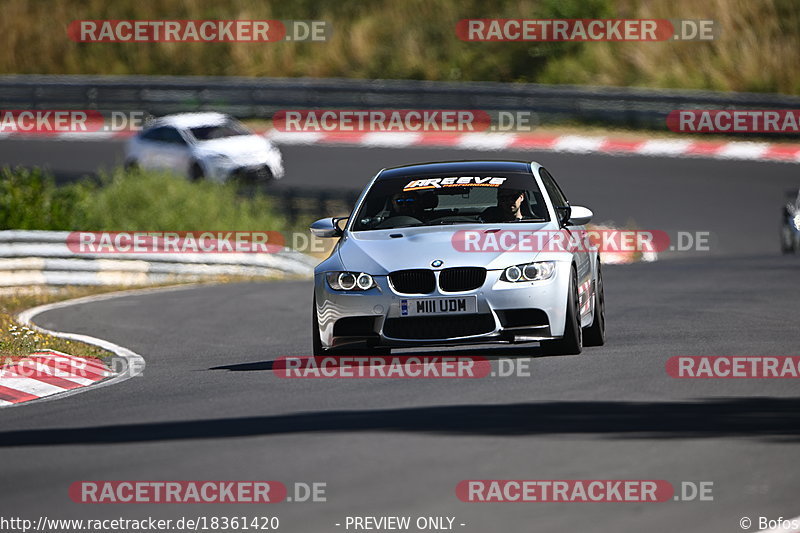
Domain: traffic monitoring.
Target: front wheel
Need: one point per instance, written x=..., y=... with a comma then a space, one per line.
x=572, y=341
x=595, y=335
x=196, y=172
x=788, y=242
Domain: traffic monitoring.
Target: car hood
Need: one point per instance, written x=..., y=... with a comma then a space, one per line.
x=378, y=252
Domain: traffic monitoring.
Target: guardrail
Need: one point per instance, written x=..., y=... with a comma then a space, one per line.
x=302, y=204
x=43, y=258
x=261, y=97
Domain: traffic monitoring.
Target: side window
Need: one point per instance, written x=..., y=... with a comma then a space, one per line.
x=171, y=136
x=153, y=135
x=553, y=190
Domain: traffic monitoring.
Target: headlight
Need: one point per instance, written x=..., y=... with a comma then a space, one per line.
x=350, y=281
x=529, y=272
x=797, y=221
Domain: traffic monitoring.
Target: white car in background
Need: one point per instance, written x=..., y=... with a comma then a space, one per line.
x=211, y=146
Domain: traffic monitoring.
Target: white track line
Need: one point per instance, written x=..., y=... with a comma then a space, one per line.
x=134, y=363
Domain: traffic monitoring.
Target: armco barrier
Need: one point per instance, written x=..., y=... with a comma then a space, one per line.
x=306, y=203
x=261, y=97
x=43, y=258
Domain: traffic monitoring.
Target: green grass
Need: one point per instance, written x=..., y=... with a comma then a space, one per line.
x=757, y=48
x=122, y=201
x=130, y=201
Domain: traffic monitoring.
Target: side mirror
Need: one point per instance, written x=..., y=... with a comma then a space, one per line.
x=579, y=216
x=563, y=214
x=327, y=227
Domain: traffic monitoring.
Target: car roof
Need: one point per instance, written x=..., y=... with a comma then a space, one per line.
x=456, y=167
x=192, y=120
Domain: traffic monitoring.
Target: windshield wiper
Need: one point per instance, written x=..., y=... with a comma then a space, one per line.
x=400, y=226
x=451, y=222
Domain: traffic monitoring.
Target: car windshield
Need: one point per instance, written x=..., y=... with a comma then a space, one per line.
x=230, y=128
x=451, y=199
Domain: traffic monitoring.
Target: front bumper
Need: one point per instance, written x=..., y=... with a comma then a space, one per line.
x=506, y=312
x=250, y=169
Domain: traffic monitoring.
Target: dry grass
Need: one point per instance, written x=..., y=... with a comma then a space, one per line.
x=17, y=341
x=758, y=45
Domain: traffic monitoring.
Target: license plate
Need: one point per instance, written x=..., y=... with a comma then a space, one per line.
x=438, y=306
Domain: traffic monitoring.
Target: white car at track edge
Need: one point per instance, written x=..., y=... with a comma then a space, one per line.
x=211, y=146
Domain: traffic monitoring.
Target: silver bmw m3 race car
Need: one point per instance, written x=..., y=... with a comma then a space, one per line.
x=456, y=253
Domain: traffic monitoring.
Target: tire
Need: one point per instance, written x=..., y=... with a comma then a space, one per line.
x=131, y=165
x=572, y=341
x=595, y=335
x=196, y=172
x=785, y=241
x=788, y=242
x=265, y=176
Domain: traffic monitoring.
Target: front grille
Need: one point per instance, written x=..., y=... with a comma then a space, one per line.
x=259, y=174
x=461, y=278
x=417, y=281
x=437, y=327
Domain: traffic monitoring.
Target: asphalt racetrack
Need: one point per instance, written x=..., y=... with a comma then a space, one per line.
x=210, y=407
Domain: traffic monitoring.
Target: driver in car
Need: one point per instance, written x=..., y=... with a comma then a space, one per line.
x=405, y=204
x=508, y=208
